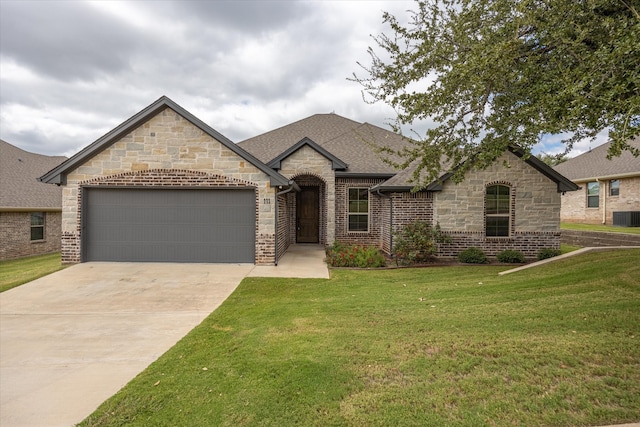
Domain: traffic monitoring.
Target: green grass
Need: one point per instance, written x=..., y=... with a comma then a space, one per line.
x=564, y=248
x=19, y=271
x=458, y=346
x=599, y=227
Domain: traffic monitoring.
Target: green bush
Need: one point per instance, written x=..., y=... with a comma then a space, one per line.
x=510, y=256
x=341, y=255
x=473, y=256
x=545, y=253
x=417, y=242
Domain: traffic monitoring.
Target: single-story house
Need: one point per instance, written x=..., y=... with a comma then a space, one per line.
x=30, y=211
x=164, y=186
x=610, y=187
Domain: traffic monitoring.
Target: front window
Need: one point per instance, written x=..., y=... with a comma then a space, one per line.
x=614, y=187
x=358, y=209
x=593, y=194
x=497, y=210
x=37, y=226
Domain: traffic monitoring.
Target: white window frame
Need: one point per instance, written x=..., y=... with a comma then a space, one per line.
x=507, y=214
x=596, y=196
x=358, y=213
x=33, y=226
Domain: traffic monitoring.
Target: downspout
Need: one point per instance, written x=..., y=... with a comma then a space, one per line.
x=390, y=220
x=604, y=201
x=288, y=190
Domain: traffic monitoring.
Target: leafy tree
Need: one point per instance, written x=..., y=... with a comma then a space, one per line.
x=553, y=159
x=490, y=73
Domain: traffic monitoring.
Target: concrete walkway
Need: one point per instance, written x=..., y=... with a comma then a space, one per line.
x=70, y=340
x=567, y=255
x=300, y=261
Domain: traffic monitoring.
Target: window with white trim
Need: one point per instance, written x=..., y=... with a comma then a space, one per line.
x=497, y=210
x=37, y=226
x=358, y=207
x=614, y=187
x=593, y=194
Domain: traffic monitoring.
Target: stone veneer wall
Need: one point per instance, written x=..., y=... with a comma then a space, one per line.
x=535, y=210
x=574, y=203
x=168, y=150
x=377, y=208
x=308, y=167
x=15, y=235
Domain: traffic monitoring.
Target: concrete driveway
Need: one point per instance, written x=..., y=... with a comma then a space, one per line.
x=70, y=340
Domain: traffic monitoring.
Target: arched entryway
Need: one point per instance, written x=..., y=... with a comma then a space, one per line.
x=310, y=212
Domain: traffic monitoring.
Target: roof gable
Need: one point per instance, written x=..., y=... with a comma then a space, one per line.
x=351, y=142
x=58, y=174
x=336, y=163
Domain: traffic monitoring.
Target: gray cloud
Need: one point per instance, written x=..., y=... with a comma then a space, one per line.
x=64, y=40
x=72, y=71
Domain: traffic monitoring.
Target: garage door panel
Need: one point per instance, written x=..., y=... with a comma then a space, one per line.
x=169, y=225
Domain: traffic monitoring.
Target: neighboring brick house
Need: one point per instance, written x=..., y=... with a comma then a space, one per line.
x=30, y=211
x=607, y=186
x=164, y=186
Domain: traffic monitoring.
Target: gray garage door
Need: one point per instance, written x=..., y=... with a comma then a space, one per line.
x=182, y=225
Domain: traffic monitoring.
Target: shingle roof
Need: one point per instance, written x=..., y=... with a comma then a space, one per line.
x=19, y=185
x=354, y=144
x=347, y=140
x=594, y=164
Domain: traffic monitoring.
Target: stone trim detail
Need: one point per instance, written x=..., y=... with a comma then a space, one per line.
x=167, y=178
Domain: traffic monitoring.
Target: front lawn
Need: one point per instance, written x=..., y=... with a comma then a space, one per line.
x=599, y=227
x=458, y=346
x=16, y=272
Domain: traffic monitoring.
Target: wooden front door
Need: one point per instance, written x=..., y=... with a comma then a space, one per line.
x=308, y=215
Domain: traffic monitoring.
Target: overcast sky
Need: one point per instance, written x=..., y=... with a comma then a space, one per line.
x=70, y=71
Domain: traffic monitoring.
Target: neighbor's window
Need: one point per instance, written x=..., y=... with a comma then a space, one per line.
x=614, y=187
x=593, y=194
x=497, y=210
x=37, y=226
x=358, y=209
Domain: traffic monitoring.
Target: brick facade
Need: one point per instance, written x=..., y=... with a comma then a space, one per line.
x=15, y=235
x=285, y=219
x=377, y=212
x=405, y=208
x=574, y=203
x=167, y=151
